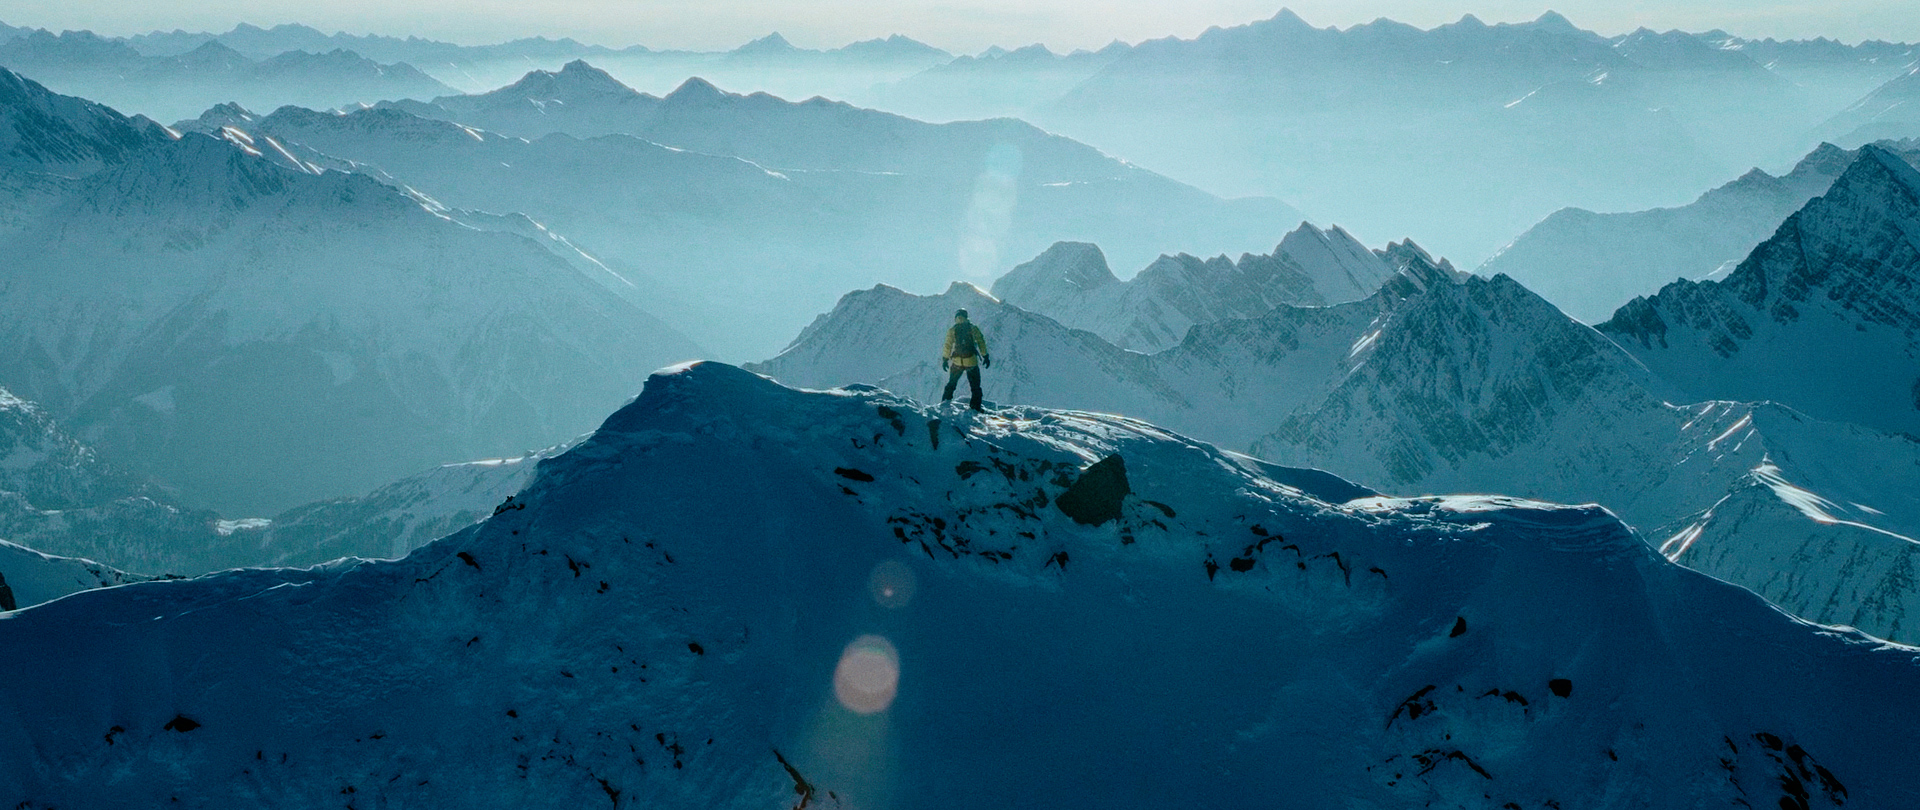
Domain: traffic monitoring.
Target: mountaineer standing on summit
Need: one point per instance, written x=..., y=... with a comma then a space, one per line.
x=965, y=353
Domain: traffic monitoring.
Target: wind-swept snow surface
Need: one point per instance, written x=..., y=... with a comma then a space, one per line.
x=925, y=608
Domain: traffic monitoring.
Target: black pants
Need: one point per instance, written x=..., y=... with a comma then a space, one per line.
x=953, y=380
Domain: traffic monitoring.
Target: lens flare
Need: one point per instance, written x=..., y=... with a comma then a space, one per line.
x=996, y=193
x=892, y=584
x=868, y=676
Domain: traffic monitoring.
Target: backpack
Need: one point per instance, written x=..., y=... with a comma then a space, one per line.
x=963, y=345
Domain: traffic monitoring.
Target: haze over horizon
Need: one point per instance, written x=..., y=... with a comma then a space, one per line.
x=964, y=26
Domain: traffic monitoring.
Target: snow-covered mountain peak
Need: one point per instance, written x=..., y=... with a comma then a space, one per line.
x=41, y=130
x=228, y=114
x=1822, y=316
x=1076, y=266
x=214, y=53
x=1555, y=21
x=1288, y=21
x=574, y=82
x=1408, y=254
x=1826, y=159
x=696, y=90
x=1897, y=168
x=1341, y=268
x=895, y=47
x=1857, y=233
x=1072, y=284
x=770, y=45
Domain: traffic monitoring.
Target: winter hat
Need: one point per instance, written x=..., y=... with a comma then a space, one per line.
x=960, y=313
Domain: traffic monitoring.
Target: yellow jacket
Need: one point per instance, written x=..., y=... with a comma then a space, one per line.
x=965, y=361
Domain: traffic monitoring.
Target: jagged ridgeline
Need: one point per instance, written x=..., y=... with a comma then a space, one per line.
x=922, y=608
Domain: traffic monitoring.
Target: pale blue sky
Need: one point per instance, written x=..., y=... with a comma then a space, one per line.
x=959, y=25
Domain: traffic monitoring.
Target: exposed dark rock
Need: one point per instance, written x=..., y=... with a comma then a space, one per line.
x=1510, y=696
x=852, y=474
x=181, y=723
x=6, y=595
x=695, y=648
x=1561, y=687
x=1096, y=498
x=801, y=786
x=892, y=416
x=1459, y=627
x=1431, y=759
x=1415, y=705
x=468, y=559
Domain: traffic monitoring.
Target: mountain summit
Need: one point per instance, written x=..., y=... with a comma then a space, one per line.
x=877, y=628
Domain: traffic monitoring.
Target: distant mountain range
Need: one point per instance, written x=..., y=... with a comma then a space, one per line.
x=1891, y=111
x=58, y=495
x=1462, y=135
x=751, y=210
x=257, y=334
x=770, y=63
x=181, y=85
x=1590, y=264
x=1072, y=284
x=997, y=83
x=1466, y=124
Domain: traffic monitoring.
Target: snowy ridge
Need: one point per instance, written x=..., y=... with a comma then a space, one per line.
x=1153, y=310
x=627, y=634
x=398, y=517
x=1821, y=317
x=32, y=578
x=1827, y=522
